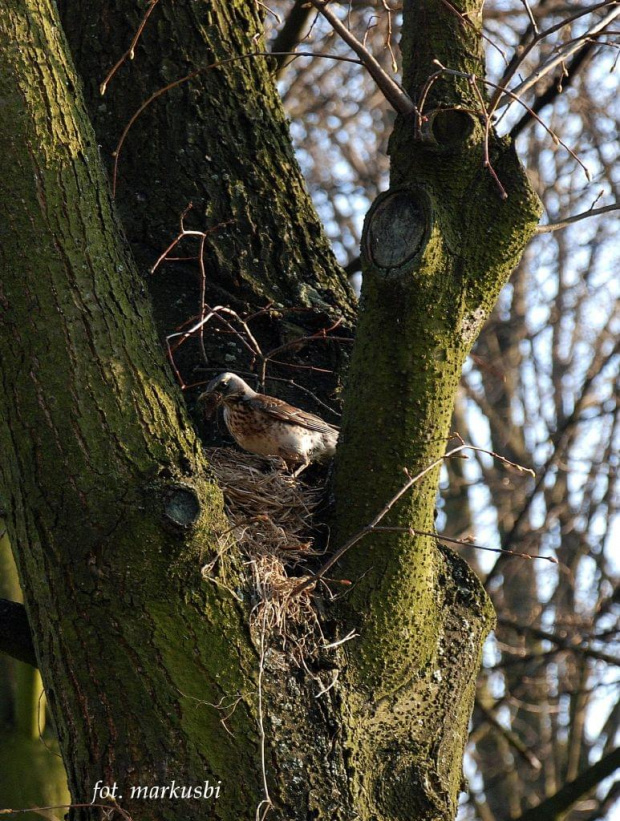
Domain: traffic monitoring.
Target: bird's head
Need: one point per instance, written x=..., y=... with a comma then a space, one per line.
x=227, y=385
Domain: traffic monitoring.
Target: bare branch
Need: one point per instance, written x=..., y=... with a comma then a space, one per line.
x=525, y=49
x=570, y=793
x=560, y=55
x=593, y=212
x=393, y=92
x=130, y=53
x=372, y=527
x=511, y=737
x=554, y=136
x=559, y=441
x=290, y=35
x=563, y=643
x=560, y=84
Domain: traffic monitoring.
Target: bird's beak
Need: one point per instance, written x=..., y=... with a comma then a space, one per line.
x=209, y=401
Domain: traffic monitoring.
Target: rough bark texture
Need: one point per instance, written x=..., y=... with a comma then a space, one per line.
x=436, y=250
x=243, y=172
x=221, y=142
x=110, y=504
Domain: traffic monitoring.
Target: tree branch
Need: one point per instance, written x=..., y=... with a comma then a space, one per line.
x=564, y=81
x=562, y=642
x=559, y=440
x=552, y=808
x=392, y=91
x=15, y=635
x=512, y=738
x=291, y=34
x=562, y=53
x=593, y=212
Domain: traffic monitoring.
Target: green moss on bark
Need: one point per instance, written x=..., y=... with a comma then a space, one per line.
x=432, y=272
x=94, y=440
x=96, y=443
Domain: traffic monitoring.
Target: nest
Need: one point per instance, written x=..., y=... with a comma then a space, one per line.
x=270, y=511
x=271, y=519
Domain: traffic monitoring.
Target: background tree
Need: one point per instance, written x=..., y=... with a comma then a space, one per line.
x=427, y=289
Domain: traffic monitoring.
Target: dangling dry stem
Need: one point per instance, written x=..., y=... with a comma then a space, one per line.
x=271, y=519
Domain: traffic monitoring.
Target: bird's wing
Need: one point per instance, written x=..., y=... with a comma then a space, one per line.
x=283, y=412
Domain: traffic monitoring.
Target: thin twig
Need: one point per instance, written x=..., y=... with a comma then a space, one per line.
x=291, y=33
x=575, y=645
x=388, y=35
x=562, y=53
x=465, y=21
x=525, y=50
x=552, y=133
x=247, y=338
x=266, y=803
x=593, y=212
x=557, y=87
x=487, y=131
x=333, y=683
x=372, y=526
x=558, y=442
x=351, y=635
x=531, y=16
x=511, y=737
x=130, y=53
x=465, y=543
x=108, y=807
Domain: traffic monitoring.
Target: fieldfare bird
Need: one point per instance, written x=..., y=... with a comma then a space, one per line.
x=271, y=427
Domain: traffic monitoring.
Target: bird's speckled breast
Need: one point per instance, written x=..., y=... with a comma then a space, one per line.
x=260, y=434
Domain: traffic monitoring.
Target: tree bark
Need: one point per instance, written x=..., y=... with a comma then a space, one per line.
x=110, y=504
x=436, y=250
x=265, y=245
x=242, y=172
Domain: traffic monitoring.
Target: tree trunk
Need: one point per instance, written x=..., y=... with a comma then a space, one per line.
x=242, y=172
x=111, y=506
x=436, y=250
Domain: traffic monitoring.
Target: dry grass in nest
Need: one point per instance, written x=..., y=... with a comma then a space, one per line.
x=270, y=510
x=270, y=514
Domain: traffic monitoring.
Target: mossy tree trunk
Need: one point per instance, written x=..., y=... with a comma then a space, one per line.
x=111, y=507
x=436, y=250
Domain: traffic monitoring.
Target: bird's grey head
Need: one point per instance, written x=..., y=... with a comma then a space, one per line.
x=228, y=385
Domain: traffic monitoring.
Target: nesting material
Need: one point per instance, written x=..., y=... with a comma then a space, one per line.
x=277, y=612
x=270, y=514
x=271, y=511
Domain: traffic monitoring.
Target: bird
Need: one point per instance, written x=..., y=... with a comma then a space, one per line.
x=269, y=426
